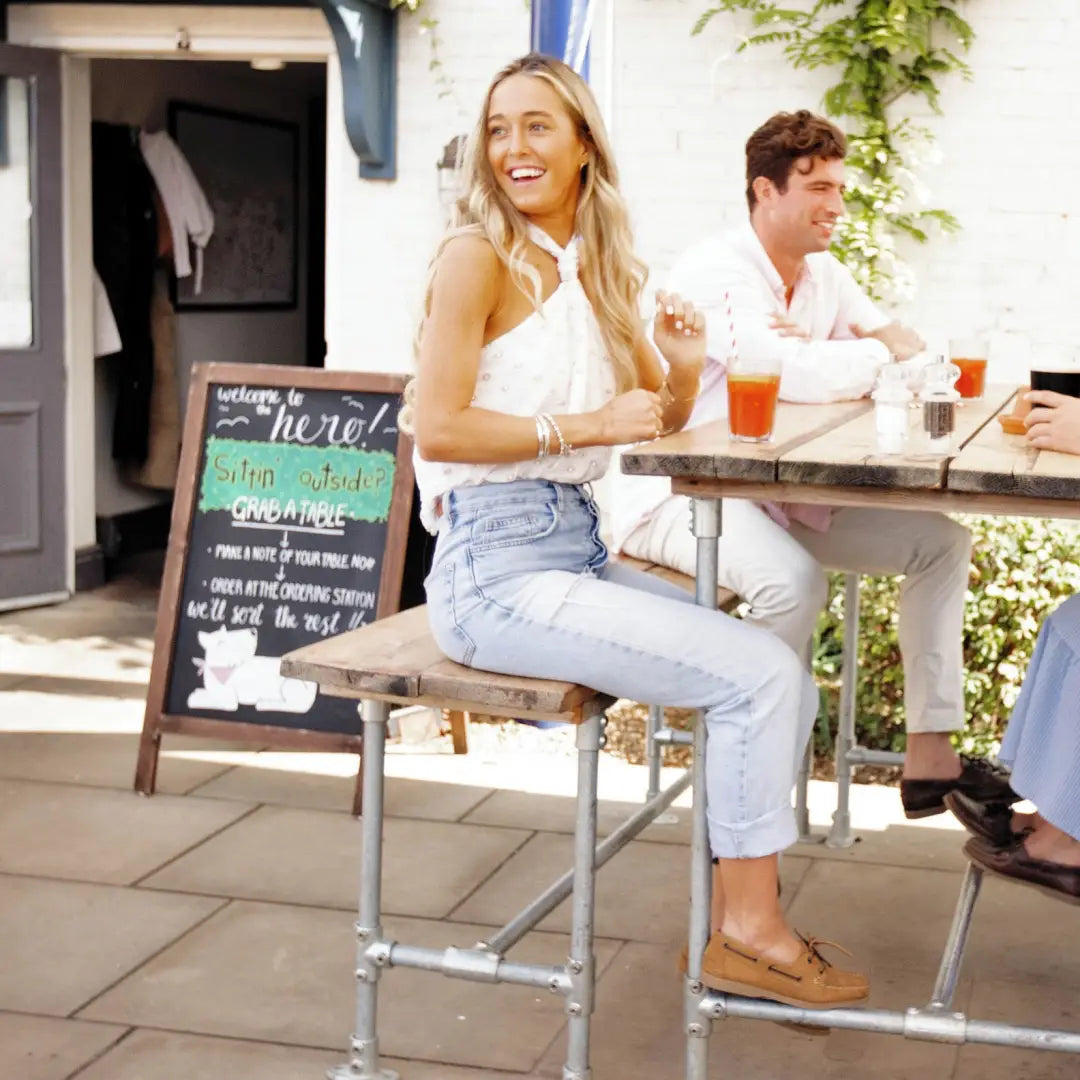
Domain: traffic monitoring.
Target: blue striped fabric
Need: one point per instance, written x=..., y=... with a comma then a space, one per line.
x=1042, y=743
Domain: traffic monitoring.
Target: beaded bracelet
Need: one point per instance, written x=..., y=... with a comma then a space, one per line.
x=564, y=446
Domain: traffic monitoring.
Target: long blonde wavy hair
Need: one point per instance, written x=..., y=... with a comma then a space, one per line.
x=612, y=275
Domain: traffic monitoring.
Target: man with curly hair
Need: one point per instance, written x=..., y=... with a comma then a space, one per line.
x=773, y=285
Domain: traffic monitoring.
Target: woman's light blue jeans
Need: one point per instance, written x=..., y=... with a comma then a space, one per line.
x=521, y=584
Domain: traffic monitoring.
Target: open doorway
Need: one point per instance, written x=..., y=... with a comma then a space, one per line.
x=256, y=293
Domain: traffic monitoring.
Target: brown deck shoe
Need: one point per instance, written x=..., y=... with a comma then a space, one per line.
x=991, y=821
x=1058, y=880
x=804, y=1029
x=809, y=981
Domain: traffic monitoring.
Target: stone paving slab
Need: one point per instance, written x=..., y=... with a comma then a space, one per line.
x=892, y=918
x=279, y=779
x=95, y=759
x=65, y=942
x=313, y=857
x=272, y=972
x=83, y=686
x=555, y=813
x=642, y=893
x=1021, y=936
x=45, y=1048
x=34, y=711
x=115, y=837
x=108, y=645
x=1023, y=1004
x=164, y=1055
x=936, y=846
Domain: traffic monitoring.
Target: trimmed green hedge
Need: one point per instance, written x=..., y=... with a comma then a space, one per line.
x=1021, y=569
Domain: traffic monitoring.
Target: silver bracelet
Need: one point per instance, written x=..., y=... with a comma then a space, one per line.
x=564, y=446
x=543, y=436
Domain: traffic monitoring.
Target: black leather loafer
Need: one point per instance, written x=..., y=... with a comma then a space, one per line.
x=980, y=780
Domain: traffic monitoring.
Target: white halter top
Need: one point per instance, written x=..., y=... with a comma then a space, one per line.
x=553, y=362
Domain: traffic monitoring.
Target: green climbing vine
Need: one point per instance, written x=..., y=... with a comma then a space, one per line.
x=429, y=27
x=883, y=51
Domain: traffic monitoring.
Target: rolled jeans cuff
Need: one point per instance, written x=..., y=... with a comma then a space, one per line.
x=766, y=835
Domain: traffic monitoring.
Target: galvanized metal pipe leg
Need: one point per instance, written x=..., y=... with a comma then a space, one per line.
x=705, y=522
x=364, y=1058
x=654, y=752
x=840, y=834
x=949, y=972
x=581, y=966
x=802, y=795
x=698, y=1026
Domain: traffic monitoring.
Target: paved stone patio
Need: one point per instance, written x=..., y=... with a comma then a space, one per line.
x=205, y=933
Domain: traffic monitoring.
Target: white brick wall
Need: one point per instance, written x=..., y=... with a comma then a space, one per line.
x=683, y=108
x=381, y=235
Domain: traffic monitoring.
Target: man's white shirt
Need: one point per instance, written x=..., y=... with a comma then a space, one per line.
x=732, y=280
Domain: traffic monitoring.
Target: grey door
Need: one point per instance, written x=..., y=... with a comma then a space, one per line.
x=34, y=555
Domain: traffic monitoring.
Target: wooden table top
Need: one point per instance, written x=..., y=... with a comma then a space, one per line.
x=827, y=454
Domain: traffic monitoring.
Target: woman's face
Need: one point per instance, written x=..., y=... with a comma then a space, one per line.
x=533, y=147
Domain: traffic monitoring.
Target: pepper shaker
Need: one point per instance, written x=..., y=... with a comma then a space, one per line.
x=938, y=401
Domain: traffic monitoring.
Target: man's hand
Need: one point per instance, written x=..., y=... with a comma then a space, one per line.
x=1054, y=423
x=900, y=340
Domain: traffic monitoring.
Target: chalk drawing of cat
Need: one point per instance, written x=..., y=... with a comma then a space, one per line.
x=233, y=676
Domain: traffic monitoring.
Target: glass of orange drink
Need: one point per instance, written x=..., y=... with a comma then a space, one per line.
x=969, y=355
x=753, y=387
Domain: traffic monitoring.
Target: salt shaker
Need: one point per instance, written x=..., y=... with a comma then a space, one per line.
x=892, y=399
x=938, y=398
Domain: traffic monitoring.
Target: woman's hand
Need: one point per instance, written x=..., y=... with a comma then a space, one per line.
x=679, y=334
x=1054, y=423
x=630, y=418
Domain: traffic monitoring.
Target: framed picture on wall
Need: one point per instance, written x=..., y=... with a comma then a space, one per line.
x=249, y=168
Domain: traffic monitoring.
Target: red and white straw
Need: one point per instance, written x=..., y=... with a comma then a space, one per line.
x=731, y=327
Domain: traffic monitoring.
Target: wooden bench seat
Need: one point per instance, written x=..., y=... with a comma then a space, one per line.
x=396, y=659
x=726, y=600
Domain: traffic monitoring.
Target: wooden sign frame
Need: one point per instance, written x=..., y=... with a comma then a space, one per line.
x=156, y=721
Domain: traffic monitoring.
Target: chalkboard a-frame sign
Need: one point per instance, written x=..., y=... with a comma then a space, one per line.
x=289, y=524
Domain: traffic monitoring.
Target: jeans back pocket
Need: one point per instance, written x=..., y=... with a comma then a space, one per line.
x=508, y=529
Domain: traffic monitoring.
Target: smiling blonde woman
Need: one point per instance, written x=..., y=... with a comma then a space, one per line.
x=533, y=364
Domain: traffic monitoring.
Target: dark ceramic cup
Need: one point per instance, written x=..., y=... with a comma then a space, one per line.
x=1060, y=381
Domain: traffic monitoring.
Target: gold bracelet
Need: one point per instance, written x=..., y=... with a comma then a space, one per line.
x=672, y=399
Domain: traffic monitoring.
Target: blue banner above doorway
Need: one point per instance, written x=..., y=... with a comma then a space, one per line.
x=562, y=28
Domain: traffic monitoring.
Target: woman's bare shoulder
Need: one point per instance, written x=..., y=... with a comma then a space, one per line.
x=472, y=253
